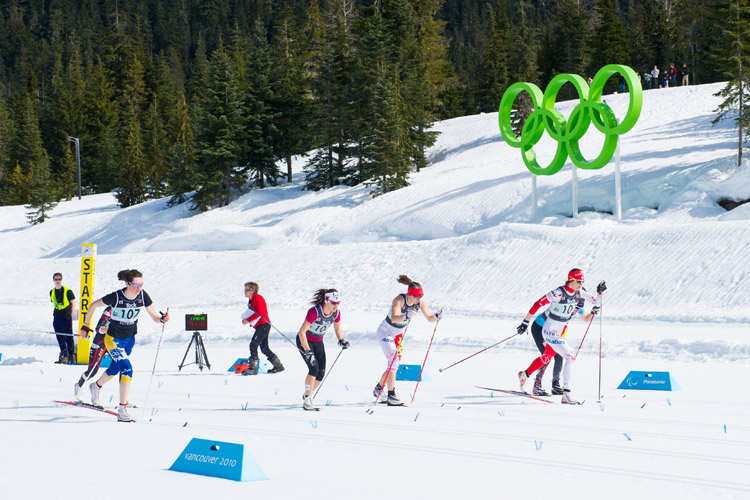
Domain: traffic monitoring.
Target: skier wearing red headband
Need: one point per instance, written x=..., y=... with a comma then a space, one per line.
x=391, y=333
x=562, y=303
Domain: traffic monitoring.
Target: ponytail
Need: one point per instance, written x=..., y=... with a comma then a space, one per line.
x=405, y=280
x=320, y=296
x=127, y=275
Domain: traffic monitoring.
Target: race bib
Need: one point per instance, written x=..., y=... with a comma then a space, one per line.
x=126, y=315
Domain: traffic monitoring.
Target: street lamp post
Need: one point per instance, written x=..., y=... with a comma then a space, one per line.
x=77, y=142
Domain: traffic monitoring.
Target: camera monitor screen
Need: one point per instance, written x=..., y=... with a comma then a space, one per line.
x=196, y=322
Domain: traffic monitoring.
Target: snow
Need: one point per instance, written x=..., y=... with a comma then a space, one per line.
x=676, y=267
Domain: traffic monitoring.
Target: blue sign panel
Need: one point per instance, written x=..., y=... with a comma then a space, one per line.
x=649, y=381
x=411, y=372
x=218, y=459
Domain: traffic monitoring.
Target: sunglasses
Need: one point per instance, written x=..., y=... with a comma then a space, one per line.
x=56, y=279
x=578, y=281
x=134, y=285
x=248, y=289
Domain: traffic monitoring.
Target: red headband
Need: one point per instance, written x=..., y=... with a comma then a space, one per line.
x=415, y=292
x=576, y=275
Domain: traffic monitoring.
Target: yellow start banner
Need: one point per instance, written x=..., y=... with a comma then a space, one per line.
x=88, y=270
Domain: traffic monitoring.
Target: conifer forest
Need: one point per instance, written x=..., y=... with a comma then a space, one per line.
x=202, y=100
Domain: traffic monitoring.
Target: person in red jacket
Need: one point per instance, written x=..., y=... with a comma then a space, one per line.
x=562, y=302
x=256, y=316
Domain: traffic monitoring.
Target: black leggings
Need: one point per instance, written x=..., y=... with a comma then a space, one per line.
x=536, y=332
x=96, y=353
x=261, y=339
x=316, y=368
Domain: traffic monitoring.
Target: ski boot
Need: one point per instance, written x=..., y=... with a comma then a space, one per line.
x=522, y=378
x=122, y=414
x=277, y=366
x=393, y=400
x=253, y=368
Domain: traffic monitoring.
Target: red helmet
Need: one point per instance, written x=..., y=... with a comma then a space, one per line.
x=575, y=275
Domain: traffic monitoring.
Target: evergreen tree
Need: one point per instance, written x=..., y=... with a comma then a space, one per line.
x=219, y=132
x=735, y=16
x=132, y=185
x=7, y=131
x=43, y=195
x=332, y=87
x=610, y=44
x=68, y=178
x=523, y=63
x=181, y=157
x=495, y=71
x=260, y=132
x=568, y=35
x=290, y=102
x=102, y=126
x=17, y=189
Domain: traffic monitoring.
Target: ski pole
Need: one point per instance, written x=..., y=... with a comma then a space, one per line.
x=601, y=316
x=154, y=368
x=328, y=373
x=282, y=334
x=584, y=335
x=425, y=361
x=479, y=352
x=395, y=355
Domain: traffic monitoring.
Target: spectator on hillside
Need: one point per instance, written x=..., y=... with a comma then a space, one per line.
x=672, y=75
x=655, y=77
x=621, y=81
x=685, y=75
x=646, y=80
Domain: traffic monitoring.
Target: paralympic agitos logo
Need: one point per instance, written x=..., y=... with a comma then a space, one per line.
x=568, y=133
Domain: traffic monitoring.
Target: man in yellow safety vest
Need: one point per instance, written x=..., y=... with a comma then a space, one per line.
x=65, y=304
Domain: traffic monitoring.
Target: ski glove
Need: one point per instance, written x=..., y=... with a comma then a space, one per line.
x=522, y=327
x=309, y=357
x=595, y=310
x=439, y=314
x=409, y=313
x=601, y=287
x=344, y=344
x=85, y=330
x=164, y=317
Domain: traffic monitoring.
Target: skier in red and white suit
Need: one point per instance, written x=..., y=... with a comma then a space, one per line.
x=562, y=303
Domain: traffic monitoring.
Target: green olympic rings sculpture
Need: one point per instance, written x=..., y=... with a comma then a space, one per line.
x=569, y=133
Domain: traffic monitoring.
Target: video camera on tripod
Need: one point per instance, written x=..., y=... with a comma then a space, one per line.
x=196, y=323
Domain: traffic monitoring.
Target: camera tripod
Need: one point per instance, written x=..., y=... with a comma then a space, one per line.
x=200, y=353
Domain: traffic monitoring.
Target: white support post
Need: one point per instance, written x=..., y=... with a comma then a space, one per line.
x=575, y=191
x=533, y=198
x=618, y=185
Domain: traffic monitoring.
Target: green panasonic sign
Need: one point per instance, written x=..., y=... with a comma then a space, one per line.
x=568, y=133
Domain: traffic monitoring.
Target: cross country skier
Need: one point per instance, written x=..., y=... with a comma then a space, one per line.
x=323, y=313
x=256, y=316
x=563, y=302
x=390, y=334
x=536, y=333
x=96, y=352
x=126, y=305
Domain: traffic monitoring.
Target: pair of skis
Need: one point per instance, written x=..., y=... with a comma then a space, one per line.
x=525, y=395
x=90, y=406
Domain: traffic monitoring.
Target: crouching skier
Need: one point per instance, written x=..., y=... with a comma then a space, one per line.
x=256, y=316
x=126, y=305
